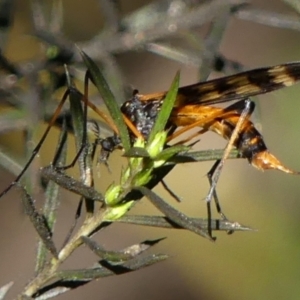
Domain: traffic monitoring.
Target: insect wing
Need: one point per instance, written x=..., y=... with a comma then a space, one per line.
x=234, y=87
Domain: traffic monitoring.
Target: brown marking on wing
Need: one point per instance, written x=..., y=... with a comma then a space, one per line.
x=235, y=87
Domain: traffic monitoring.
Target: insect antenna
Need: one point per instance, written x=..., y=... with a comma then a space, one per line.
x=84, y=98
x=39, y=145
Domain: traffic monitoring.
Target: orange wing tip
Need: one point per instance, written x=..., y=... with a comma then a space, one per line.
x=265, y=161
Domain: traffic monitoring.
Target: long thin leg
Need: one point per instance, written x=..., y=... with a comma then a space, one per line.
x=39, y=145
x=214, y=174
x=216, y=200
x=244, y=116
x=215, y=196
x=172, y=194
x=84, y=131
x=52, y=122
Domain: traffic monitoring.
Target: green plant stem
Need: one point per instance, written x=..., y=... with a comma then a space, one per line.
x=50, y=270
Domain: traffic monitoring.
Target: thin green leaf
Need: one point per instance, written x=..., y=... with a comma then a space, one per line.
x=79, y=120
x=10, y=163
x=205, y=155
x=173, y=214
x=13, y=120
x=167, y=153
x=53, y=293
x=164, y=222
x=39, y=222
x=71, y=184
x=77, y=117
x=166, y=108
x=57, y=17
x=118, y=257
x=52, y=197
x=136, y=152
x=182, y=55
x=100, y=272
x=109, y=99
x=71, y=279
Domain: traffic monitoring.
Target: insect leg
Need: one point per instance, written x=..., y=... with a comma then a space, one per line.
x=109, y=122
x=235, y=134
x=39, y=145
x=171, y=193
x=216, y=200
x=210, y=175
x=76, y=94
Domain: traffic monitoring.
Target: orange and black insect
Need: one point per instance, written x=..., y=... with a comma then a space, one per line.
x=193, y=109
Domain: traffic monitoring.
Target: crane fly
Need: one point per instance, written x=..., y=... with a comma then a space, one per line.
x=193, y=108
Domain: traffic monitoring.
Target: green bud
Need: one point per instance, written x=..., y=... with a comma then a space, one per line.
x=135, y=162
x=125, y=175
x=143, y=177
x=112, y=194
x=167, y=153
x=115, y=213
x=158, y=163
x=139, y=143
x=157, y=145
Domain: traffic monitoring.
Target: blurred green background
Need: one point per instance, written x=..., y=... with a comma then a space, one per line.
x=264, y=264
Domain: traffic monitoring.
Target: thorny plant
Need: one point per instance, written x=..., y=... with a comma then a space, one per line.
x=147, y=162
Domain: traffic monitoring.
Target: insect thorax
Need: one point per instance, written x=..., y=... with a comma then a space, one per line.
x=142, y=114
